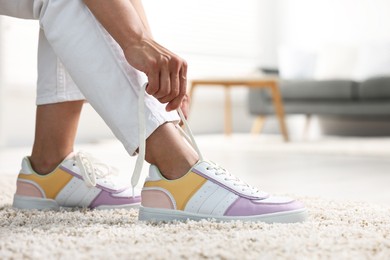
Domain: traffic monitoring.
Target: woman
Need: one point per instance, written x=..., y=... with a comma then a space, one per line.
x=103, y=51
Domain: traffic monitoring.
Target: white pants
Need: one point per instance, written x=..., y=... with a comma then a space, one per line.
x=77, y=58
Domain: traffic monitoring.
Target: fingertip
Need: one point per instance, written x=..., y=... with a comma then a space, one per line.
x=171, y=107
x=149, y=90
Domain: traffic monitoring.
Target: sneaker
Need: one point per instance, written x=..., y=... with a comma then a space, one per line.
x=79, y=181
x=208, y=191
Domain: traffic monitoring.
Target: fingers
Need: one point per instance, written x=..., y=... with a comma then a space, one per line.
x=153, y=82
x=181, y=82
x=166, y=72
x=165, y=85
x=168, y=81
x=185, y=105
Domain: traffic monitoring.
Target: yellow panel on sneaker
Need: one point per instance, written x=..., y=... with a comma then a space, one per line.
x=181, y=189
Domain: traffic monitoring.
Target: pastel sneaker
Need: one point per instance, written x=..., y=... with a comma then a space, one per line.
x=208, y=191
x=79, y=181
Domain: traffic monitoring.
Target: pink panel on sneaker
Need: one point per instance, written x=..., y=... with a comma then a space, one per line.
x=156, y=199
x=28, y=189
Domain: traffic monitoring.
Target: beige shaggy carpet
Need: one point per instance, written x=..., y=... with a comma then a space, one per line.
x=335, y=230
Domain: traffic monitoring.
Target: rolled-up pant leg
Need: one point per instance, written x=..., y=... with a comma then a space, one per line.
x=97, y=65
x=54, y=83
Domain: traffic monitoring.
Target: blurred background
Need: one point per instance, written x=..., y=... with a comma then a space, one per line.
x=218, y=38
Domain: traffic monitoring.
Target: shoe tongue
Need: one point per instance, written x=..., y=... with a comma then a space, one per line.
x=153, y=170
x=200, y=164
x=70, y=156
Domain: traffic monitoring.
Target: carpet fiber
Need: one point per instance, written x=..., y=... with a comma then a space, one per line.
x=335, y=230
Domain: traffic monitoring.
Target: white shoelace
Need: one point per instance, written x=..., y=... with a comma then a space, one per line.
x=228, y=177
x=92, y=169
x=187, y=134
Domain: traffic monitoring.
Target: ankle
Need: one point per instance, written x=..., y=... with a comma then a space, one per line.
x=45, y=164
x=167, y=149
x=176, y=170
x=42, y=167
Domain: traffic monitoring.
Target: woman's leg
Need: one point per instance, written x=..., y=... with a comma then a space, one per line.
x=100, y=70
x=59, y=104
x=98, y=67
x=55, y=132
x=110, y=84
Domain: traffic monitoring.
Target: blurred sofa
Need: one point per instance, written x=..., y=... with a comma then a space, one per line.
x=370, y=97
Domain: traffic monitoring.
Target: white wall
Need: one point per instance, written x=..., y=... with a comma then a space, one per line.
x=312, y=23
x=19, y=44
x=216, y=37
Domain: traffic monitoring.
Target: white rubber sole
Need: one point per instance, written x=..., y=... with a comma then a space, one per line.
x=127, y=206
x=24, y=202
x=155, y=215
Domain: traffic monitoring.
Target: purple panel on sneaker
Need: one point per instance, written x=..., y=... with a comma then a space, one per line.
x=105, y=198
x=246, y=207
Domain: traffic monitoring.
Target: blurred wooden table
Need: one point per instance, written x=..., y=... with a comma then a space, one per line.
x=250, y=82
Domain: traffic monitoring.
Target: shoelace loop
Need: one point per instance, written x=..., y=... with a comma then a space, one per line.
x=92, y=169
x=218, y=171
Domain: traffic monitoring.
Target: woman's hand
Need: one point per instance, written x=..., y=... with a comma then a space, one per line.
x=166, y=72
